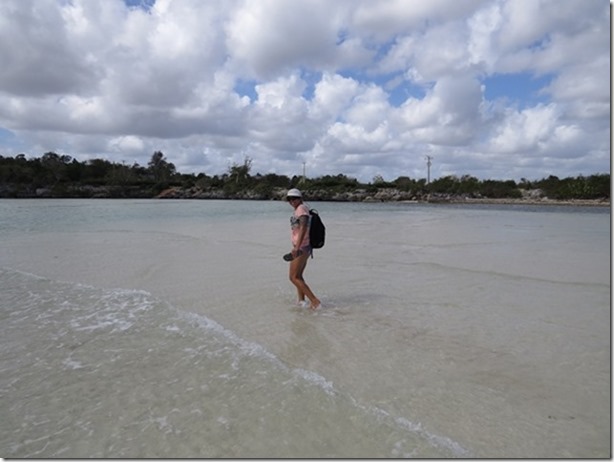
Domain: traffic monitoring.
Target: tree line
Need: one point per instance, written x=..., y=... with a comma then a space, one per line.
x=54, y=175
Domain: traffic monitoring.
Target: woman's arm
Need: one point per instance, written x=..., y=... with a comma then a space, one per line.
x=303, y=223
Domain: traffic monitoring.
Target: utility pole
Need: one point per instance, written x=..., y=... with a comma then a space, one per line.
x=428, y=166
x=304, y=177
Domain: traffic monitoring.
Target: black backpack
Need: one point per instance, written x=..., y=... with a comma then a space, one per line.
x=317, y=230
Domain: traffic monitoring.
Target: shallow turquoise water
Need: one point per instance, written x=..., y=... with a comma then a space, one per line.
x=168, y=329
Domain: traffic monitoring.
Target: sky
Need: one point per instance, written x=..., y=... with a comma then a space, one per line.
x=495, y=89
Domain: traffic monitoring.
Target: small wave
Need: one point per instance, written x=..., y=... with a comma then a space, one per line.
x=313, y=378
x=83, y=330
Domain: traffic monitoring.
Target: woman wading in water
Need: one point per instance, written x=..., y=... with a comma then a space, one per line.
x=301, y=248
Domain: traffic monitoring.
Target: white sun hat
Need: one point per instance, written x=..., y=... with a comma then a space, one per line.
x=294, y=193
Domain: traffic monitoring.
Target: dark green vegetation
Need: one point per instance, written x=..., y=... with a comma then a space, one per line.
x=55, y=175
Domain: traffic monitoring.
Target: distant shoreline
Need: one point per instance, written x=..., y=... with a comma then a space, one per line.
x=509, y=201
x=381, y=195
x=434, y=201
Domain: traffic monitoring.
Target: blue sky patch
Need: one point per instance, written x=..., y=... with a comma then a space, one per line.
x=9, y=140
x=246, y=88
x=395, y=85
x=311, y=78
x=144, y=4
x=399, y=92
x=523, y=88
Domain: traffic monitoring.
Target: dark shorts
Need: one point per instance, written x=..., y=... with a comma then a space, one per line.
x=307, y=250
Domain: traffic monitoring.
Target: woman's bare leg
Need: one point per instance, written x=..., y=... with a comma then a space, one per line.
x=296, y=274
x=297, y=267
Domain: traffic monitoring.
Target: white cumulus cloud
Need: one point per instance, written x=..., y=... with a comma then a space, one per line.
x=491, y=88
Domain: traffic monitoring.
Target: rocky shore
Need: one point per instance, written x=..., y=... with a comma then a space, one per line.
x=529, y=197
